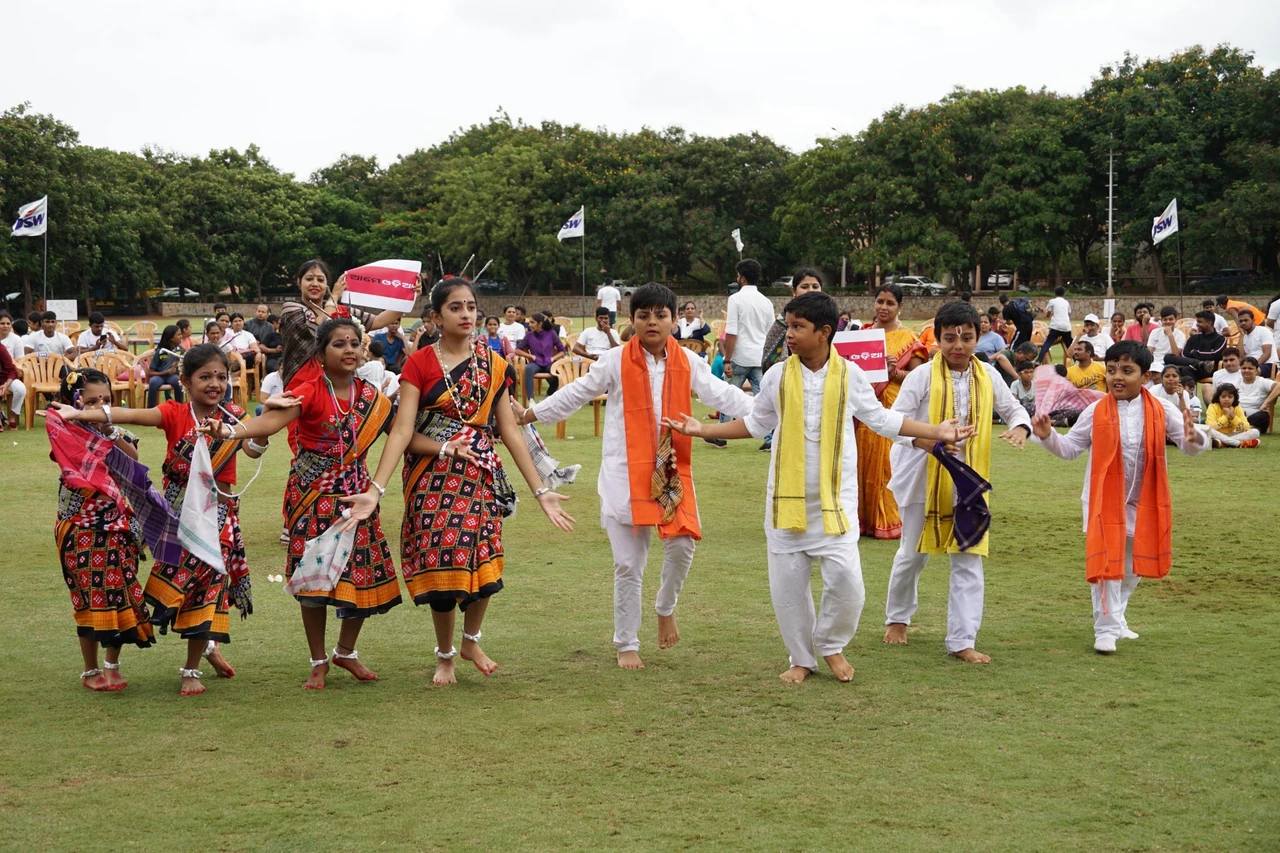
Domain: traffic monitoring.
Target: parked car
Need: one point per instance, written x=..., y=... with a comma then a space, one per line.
x=1000, y=280
x=623, y=288
x=918, y=285
x=783, y=283
x=1227, y=281
x=492, y=285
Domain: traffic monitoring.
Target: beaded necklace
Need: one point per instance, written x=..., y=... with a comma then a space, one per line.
x=449, y=385
x=349, y=478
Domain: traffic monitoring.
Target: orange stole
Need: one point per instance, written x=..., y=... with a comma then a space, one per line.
x=1106, y=531
x=642, y=426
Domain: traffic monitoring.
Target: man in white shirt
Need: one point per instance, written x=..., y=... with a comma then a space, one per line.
x=510, y=328
x=1058, y=312
x=607, y=297
x=1230, y=370
x=593, y=343
x=1256, y=394
x=98, y=337
x=1219, y=322
x=1273, y=323
x=48, y=340
x=1168, y=338
x=1257, y=341
x=1093, y=334
x=746, y=325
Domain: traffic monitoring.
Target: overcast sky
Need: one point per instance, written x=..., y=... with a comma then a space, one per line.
x=308, y=81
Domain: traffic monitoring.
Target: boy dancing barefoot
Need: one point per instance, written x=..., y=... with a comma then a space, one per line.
x=811, y=502
x=953, y=385
x=1125, y=434
x=646, y=478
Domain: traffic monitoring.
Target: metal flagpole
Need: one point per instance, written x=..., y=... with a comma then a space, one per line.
x=46, y=259
x=1111, y=185
x=584, y=278
x=1178, y=236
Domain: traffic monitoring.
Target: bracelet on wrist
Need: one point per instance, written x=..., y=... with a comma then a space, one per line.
x=382, y=491
x=537, y=493
x=106, y=410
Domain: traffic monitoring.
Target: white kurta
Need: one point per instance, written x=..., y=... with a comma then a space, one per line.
x=906, y=461
x=605, y=377
x=860, y=402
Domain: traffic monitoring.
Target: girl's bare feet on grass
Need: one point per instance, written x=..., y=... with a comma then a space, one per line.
x=218, y=662
x=96, y=682
x=895, y=634
x=795, y=675
x=630, y=660
x=668, y=633
x=114, y=680
x=471, y=651
x=444, y=673
x=972, y=656
x=191, y=687
x=840, y=667
x=316, y=680
x=353, y=666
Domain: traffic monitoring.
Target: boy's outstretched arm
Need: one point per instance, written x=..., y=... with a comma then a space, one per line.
x=1073, y=443
x=693, y=427
x=569, y=398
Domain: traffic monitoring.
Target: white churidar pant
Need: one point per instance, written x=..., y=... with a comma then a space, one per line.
x=809, y=635
x=1112, y=622
x=630, y=553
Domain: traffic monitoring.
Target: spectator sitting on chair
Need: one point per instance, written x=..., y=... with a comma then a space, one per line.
x=261, y=323
x=272, y=384
x=375, y=372
x=1093, y=334
x=1023, y=387
x=183, y=339
x=1219, y=322
x=1010, y=360
x=597, y=341
x=1168, y=338
x=511, y=328
x=271, y=345
x=542, y=347
x=13, y=386
x=1229, y=373
x=240, y=339
x=1058, y=311
x=989, y=341
x=1145, y=323
x=491, y=337
x=49, y=341
x=98, y=338
x=1226, y=422
x=1086, y=373
x=691, y=326
x=1256, y=394
x=394, y=343
x=1117, y=330
x=1200, y=356
x=1258, y=342
x=998, y=325
x=1170, y=388
x=162, y=370
x=1193, y=399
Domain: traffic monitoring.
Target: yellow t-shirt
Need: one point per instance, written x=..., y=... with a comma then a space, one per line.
x=1093, y=377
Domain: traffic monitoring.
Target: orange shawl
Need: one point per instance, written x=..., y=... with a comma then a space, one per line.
x=642, y=427
x=1106, y=531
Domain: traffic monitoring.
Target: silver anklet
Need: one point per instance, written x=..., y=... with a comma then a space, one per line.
x=111, y=666
x=210, y=649
x=446, y=655
x=475, y=638
x=90, y=673
x=321, y=662
x=190, y=673
x=355, y=655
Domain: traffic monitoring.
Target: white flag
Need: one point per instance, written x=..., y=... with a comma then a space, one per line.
x=32, y=219
x=198, y=524
x=737, y=238
x=576, y=226
x=1165, y=224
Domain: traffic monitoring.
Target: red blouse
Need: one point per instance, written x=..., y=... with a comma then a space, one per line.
x=177, y=423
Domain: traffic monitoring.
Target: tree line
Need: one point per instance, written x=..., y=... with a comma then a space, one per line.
x=978, y=180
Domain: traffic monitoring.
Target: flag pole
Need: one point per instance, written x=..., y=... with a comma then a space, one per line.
x=584, y=279
x=1111, y=184
x=46, y=260
x=1177, y=235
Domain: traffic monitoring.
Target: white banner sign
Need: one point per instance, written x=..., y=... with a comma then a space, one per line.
x=1108, y=308
x=64, y=308
x=1166, y=224
x=385, y=285
x=576, y=226
x=32, y=219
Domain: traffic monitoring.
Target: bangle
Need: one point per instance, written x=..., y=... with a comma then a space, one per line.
x=443, y=447
x=106, y=410
x=258, y=448
x=382, y=491
x=114, y=434
x=540, y=492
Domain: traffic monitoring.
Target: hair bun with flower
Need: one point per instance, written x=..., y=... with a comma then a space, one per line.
x=72, y=378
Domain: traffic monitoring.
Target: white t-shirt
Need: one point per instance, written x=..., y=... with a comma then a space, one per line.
x=1223, y=376
x=1254, y=394
x=1158, y=341
x=88, y=340
x=1061, y=320
x=16, y=345
x=1273, y=314
x=1253, y=343
x=1100, y=341
x=686, y=328
x=1179, y=399
x=749, y=317
x=1219, y=323
x=272, y=383
x=609, y=296
x=596, y=342
x=239, y=341
x=43, y=344
x=513, y=332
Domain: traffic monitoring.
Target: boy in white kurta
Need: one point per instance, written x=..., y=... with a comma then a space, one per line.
x=636, y=448
x=814, y=519
x=1130, y=426
x=971, y=397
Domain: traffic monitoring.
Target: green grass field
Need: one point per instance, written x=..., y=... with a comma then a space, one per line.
x=1169, y=744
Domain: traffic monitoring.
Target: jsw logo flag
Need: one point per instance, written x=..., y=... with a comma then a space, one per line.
x=1165, y=224
x=32, y=219
x=576, y=226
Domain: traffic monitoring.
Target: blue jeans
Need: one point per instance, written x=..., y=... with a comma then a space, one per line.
x=156, y=383
x=743, y=374
x=529, y=370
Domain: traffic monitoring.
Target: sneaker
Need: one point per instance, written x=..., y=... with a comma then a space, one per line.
x=1105, y=645
x=1252, y=442
x=716, y=442
x=766, y=447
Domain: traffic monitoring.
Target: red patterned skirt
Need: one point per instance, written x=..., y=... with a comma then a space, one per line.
x=192, y=598
x=101, y=571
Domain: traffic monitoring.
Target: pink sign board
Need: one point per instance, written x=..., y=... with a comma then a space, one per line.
x=386, y=285
x=866, y=349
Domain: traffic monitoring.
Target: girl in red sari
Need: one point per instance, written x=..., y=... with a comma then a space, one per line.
x=190, y=596
x=339, y=416
x=877, y=510
x=452, y=394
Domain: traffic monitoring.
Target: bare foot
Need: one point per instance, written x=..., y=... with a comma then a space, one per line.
x=839, y=667
x=96, y=682
x=114, y=680
x=972, y=656
x=630, y=660
x=353, y=666
x=192, y=687
x=471, y=651
x=315, y=681
x=795, y=675
x=668, y=633
x=219, y=663
x=895, y=634
x=444, y=673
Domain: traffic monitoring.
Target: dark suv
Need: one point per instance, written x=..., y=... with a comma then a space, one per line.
x=490, y=285
x=1227, y=281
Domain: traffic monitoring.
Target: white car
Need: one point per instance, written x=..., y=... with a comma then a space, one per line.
x=920, y=285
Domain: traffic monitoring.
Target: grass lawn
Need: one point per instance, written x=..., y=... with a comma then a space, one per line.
x=1169, y=744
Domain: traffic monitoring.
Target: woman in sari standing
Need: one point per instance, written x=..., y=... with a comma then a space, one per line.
x=877, y=510
x=452, y=393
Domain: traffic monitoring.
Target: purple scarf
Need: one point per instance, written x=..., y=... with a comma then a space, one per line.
x=159, y=523
x=972, y=517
